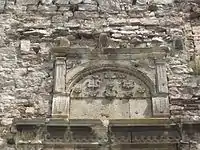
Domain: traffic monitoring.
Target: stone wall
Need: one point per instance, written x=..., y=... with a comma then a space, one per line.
x=29, y=29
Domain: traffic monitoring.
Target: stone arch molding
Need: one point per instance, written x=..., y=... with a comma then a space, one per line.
x=106, y=81
x=110, y=72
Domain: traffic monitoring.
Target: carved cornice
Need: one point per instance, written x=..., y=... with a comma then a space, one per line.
x=125, y=53
x=92, y=132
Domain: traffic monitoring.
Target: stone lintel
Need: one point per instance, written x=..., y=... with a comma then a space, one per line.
x=92, y=122
x=68, y=50
x=86, y=52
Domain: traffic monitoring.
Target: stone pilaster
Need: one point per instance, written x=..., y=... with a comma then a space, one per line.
x=60, y=72
x=161, y=101
x=161, y=78
x=60, y=105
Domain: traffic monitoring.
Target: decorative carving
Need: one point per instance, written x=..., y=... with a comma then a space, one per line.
x=128, y=94
x=161, y=78
x=114, y=75
x=160, y=106
x=92, y=132
x=60, y=105
x=60, y=71
x=77, y=90
x=92, y=85
x=128, y=84
x=56, y=134
x=110, y=92
x=27, y=135
x=94, y=82
x=141, y=90
x=110, y=84
x=72, y=63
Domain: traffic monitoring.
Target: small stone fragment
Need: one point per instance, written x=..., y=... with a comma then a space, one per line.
x=103, y=40
x=62, y=42
x=76, y=1
x=30, y=110
x=2, y=5
x=62, y=2
x=6, y=121
x=178, y=43
x=47, y=2
x=25, y=45
x=27, y=2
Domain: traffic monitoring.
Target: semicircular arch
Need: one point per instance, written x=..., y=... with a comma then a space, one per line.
x=89, y=69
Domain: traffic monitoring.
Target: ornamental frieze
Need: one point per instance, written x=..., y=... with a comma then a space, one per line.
x=61, y=133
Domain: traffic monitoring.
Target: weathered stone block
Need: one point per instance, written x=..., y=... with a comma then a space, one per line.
x=30, y=110
x=2, y=5
x=59, y=19
x=160, y=106
x=89, y=2
x=76, y=1
x=47, y=9
x=140, y=108
x=98, y=108
x=72, y=24
x=25, y=45
x=6, y=121
x=149, y=21
x=163, y=1
x=64, y=8
x=161, y=78
x=27, y=2
x=61, y=2
x=87, y=7
x=85, y=15
x=60, y=106
x=47, y=2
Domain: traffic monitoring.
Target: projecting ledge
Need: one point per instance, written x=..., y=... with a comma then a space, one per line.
x=91, y=122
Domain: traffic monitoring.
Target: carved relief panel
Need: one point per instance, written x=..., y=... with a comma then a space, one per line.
x=111, y=94
x=86, y=90
x=109, y=85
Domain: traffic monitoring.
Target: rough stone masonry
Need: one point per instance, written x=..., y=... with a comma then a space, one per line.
x=29, y=29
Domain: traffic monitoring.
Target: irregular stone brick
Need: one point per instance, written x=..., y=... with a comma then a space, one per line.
x=47, y=2
x=87, y=7
x=76, y=1
x=62, y=2
x=89, y=2
x=59, y=18
x=163, y=1
x=85, y=15
x=27, y=2
x=25, y=45
x=2, y=5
